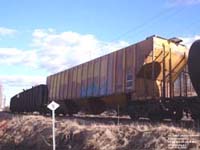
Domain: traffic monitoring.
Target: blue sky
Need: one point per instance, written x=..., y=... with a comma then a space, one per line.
x=41, y=37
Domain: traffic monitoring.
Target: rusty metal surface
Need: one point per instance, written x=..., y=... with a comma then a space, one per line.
x=65, y=84
x=130, y=68
x=84, y=80
x=74, y=83
x=110, y=74
x=62, y=83
x=90, y=82
x=69, y=87
x=103, y=75
x=96, y=77
x=119, y=72
x=78, y=86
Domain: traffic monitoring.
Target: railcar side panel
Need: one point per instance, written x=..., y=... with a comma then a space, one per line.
x=129, y=77
x=74, y=82
x=65, y=91
x=79, y=75
x=96, y=77
x=58, y=86
x=119, y=72
x=37, y=96
x=103, y=75
x=90, y=82
x=58, y=83
x=70, y=76
x=49, y=85
x=53, y=88
x=110, y=77
x=61, y=87
x=84, y=80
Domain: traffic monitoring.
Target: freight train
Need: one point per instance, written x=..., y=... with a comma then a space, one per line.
x=147, y=79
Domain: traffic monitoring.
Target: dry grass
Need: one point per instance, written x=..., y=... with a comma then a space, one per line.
x=34, y=132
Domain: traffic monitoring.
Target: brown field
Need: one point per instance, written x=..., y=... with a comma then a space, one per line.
x=32, y=132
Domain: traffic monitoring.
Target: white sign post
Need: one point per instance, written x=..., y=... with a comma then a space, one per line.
x=53, y=106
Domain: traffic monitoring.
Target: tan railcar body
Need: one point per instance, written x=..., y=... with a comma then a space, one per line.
x=138, y=70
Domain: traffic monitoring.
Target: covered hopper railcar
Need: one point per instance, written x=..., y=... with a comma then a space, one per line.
x=31, y=100
x=139, y=76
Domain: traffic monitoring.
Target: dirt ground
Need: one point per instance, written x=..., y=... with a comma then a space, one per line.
x=34, y=132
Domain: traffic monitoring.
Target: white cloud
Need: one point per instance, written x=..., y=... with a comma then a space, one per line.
x=14, y=56
x=189, y=40
x=58, y=51
x=22, y=80
x=7, y=31
x=13, y=84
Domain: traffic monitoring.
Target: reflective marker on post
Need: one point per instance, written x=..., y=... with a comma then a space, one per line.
x=53, y=106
